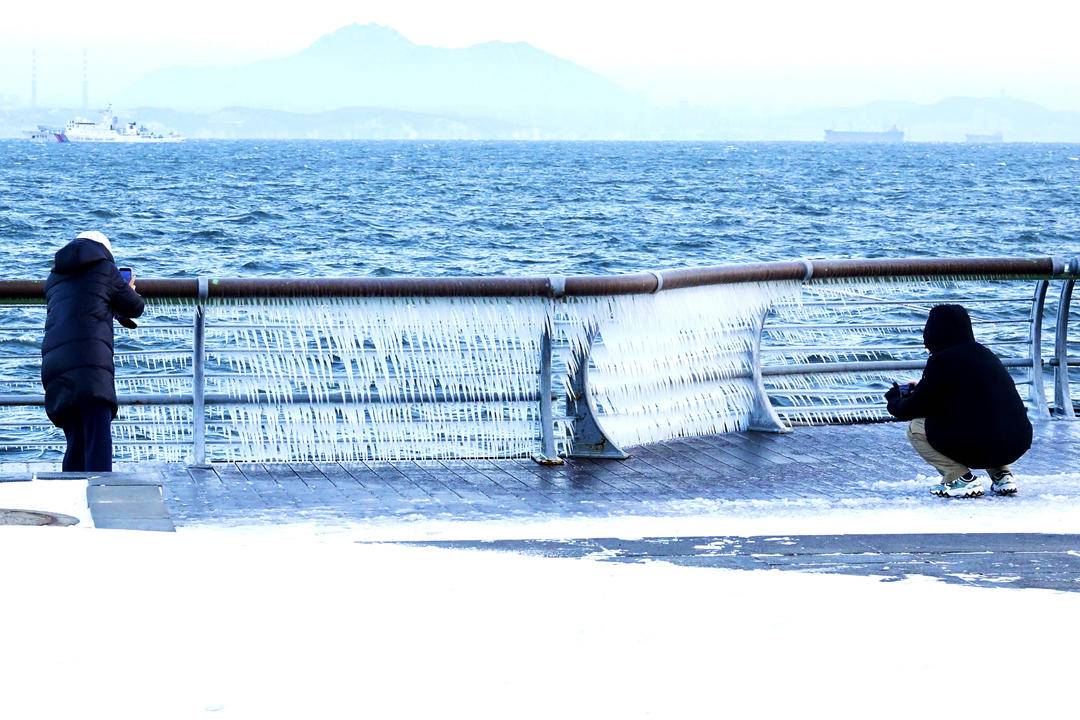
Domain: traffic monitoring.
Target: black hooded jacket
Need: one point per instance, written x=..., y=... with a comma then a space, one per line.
x=973, y=413
x=84, y=291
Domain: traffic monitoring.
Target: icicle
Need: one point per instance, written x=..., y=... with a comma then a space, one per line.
x=676, y=363
x=377, y=378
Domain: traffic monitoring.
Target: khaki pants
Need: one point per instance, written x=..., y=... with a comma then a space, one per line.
x=949, y=468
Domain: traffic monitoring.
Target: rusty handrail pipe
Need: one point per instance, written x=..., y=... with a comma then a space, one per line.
x=584, y=285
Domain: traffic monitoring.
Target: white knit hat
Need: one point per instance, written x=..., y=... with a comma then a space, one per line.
x=97, y=237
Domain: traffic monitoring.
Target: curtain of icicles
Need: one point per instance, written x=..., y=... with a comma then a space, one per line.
x=154, y=359
x=374, y=378
x=676, y=363
x=25, y=432
x=832, y=322
x=430, y=378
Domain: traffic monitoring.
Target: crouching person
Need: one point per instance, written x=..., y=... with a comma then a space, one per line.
x=84, y=292
x=965, y=412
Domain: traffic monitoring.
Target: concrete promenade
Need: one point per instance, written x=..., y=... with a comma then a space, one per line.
x=822, y=467
x=831, y=463
x=820, y=472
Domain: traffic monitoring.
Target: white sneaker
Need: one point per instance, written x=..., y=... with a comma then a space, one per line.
x=1004, y=484
x=959, y=488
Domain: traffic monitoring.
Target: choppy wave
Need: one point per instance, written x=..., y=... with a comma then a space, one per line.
x=209, y=234
x=13, y=225
x=254, y=216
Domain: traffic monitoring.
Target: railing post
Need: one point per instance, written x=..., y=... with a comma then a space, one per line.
x=548, y=454
x=1063, y=404
x=1035, y=334
x=198, y=377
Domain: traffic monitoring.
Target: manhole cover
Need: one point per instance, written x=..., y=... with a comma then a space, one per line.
x=34, y=517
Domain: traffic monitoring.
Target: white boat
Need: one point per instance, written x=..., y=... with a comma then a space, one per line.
x=42, y=134
x=110, y=129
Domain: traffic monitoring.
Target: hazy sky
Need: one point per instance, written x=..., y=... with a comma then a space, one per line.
x=779, y=54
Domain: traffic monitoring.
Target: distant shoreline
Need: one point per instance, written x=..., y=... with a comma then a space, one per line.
x=948, y=121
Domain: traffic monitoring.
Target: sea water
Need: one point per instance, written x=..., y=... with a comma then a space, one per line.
x=294, y=208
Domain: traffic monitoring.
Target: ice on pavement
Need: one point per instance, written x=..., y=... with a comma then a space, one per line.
x=1046, y=504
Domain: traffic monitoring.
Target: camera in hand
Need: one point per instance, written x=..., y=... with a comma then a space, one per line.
x=904, y=389
x=126, y=274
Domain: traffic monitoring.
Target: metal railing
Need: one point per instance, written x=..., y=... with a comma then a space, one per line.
x=570, y=413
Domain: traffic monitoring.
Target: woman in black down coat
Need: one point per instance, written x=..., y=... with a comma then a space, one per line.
x=84, y=292
x=965, y=411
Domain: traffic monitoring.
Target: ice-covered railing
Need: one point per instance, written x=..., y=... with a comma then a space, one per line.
x=414, y=368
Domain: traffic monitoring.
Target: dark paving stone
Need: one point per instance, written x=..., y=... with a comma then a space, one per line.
x=973, y=543
x=128, y=506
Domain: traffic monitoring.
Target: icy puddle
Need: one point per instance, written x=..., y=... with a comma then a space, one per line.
x=1023, y=560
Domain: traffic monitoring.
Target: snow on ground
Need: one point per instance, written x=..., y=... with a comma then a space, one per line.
x=56, y=496
x=279, y=621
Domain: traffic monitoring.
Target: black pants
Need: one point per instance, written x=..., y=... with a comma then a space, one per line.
x=89, y=439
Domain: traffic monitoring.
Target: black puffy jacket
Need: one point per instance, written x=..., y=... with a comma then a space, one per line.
x=84, y=292
x=973, y=413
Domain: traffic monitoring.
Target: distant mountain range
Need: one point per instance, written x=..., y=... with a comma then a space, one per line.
x=370, y=66
x=369, y=82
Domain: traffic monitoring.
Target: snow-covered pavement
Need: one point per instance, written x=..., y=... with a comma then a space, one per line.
x=276, y=597
x=283, y=622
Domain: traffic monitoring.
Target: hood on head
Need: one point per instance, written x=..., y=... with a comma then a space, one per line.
x=78, y=254
x=947, y=325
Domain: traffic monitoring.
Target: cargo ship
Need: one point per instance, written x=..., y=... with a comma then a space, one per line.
x=110, y=129
x=893, y=135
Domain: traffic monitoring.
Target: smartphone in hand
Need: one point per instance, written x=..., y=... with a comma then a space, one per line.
x=125, y=272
